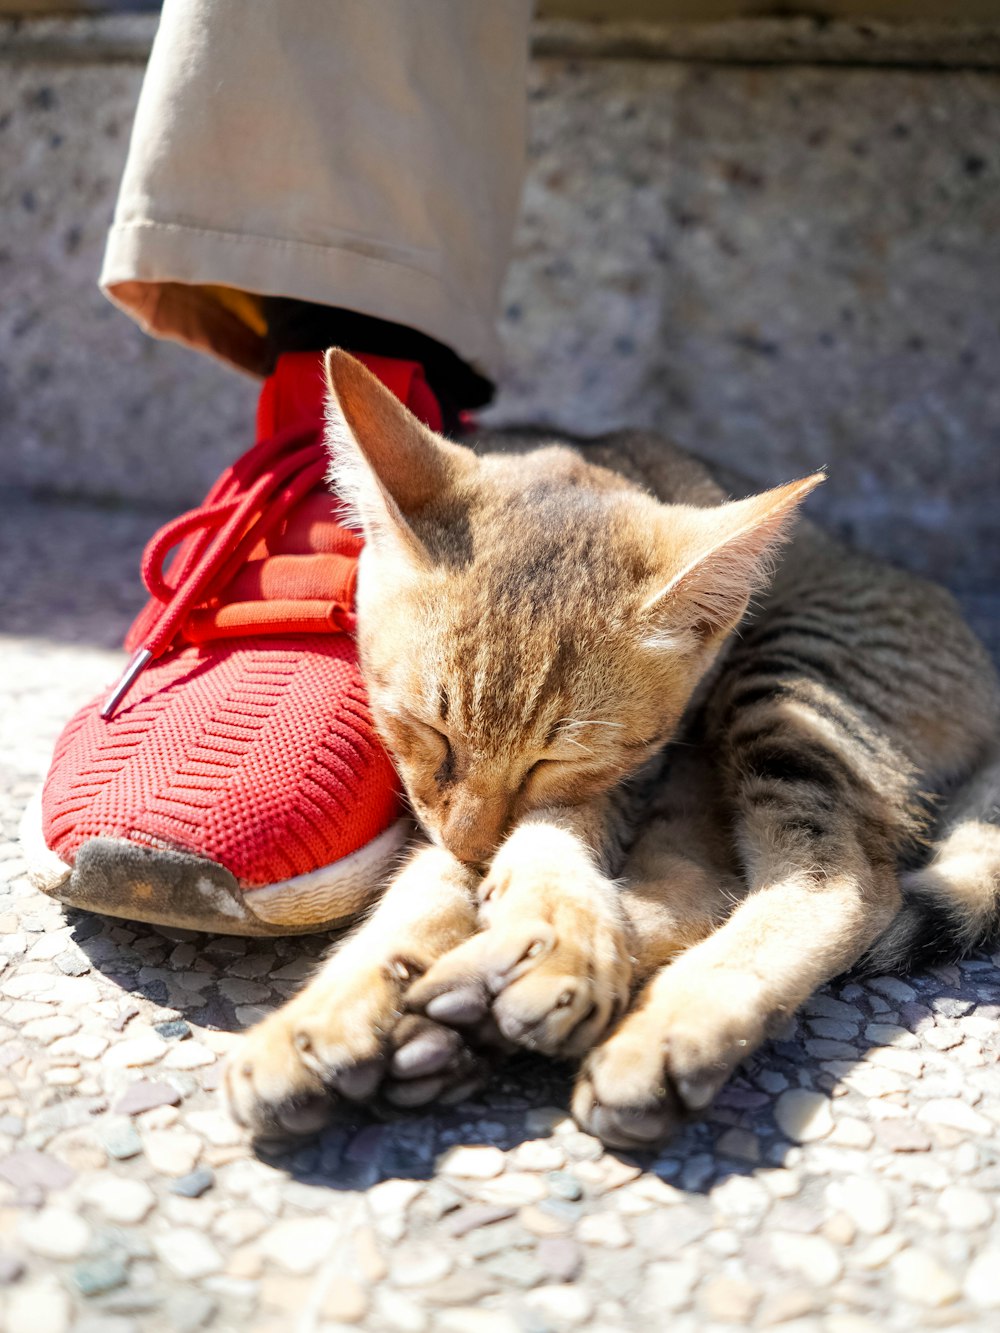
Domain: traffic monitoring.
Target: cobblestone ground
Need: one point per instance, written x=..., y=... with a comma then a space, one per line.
x=846, y=1182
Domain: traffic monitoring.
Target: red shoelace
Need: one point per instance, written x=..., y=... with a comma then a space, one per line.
x=231, y=576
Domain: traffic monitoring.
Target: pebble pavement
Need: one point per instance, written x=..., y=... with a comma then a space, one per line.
x=846, y=1182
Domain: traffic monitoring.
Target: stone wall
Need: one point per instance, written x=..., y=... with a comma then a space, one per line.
x=783, y=265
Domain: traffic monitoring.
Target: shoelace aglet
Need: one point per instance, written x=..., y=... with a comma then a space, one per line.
x=139, y=660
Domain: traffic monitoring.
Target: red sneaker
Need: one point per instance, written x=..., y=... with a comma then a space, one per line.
x=233, y=781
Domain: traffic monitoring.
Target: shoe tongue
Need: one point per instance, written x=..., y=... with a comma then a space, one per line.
x=295, y=394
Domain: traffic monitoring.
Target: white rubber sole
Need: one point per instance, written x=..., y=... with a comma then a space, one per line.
x=173, y=888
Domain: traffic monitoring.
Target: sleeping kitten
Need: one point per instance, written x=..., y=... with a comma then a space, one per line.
x=536, y=627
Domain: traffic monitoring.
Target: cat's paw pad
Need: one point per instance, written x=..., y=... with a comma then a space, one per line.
x=432, y=1063
x=553, y=979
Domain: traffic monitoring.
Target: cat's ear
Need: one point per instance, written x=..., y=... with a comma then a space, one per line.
x=385, y=465
x=722, y=556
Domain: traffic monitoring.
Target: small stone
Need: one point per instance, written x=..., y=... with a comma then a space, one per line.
x=345, y=1301
x=954, y=1113
x=63, y=1077
x=188, y=1311
x=893, y=989
x=125, y=1014
x=144, y=1096
x=538, y=1155
x=902, y=1136
x=244, y=992
x=175, y=1029
x=865, y=1201
x=729, y=1299
x=418, y=1267
x=299, y=1244
x=889, y=1034
x=99, y=1276
x=120, y=1140
x=120, y=1199
x=965, y=1209
x=785, y=1305
x=741, y=1144
x=836, y=1029
x=514, y=1187
x=982, y=1282
x=851, y=1133
x=137, y=1051
x=943, y=1038
x=839, y=1229
x=541, y=1223
x=27, y=1167
x=477, y=1215
x=172, y=1152
x=514, y=1268
x=391, y=1197
x=194, y=1184
x=468, y=1319
x=918, y=1277
x=870, y=1080
x=604, y=1229
x=668, y=1284
x=72, y=963
x=610, y=1173
x=38, y=1310
x=466, y=1286
x=187, y=1253
x=560, y=1257
x=781, y=1183
x=879, y=1252
x=564, y=1185
x=803, y=1116
x=546, y=1120
x=11, y=1268
x=189, y=1055
x=370, y=1259
x=741, y=1196
x=55, y=1233
x=823, y=1048
x=81, y=1046
x=851, y=1323
x=561, y=1304
x=810, y=1257
x=472, y=1163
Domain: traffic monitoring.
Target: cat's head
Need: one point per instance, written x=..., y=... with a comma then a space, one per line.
x=531, y=626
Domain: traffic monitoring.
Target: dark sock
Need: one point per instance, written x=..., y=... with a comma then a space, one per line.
x=300, y=326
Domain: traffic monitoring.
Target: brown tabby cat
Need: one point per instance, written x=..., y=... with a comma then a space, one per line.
x=536, y=627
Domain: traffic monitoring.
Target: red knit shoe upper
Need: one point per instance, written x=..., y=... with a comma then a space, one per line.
x=246, y=739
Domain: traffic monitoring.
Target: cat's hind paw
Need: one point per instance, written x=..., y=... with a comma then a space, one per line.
x=671, y=1054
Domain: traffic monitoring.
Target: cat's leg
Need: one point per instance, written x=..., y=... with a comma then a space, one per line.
x=552, y=961
x=346, y=1036
x=821, y=886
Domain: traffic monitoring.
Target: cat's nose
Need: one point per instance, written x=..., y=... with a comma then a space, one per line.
x=473, y=829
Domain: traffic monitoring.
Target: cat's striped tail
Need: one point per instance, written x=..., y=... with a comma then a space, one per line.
x=951, y=905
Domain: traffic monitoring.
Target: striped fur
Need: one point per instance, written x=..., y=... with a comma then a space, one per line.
x=683, y=768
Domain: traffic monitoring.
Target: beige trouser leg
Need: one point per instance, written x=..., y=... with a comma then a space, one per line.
x=365, y=154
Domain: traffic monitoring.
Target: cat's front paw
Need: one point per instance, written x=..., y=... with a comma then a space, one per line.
x=669, y=1057
x=328, y=1051
x=551, y=964
x=326, y=1046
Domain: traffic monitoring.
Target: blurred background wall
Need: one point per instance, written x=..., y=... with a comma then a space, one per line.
x=774, y=236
